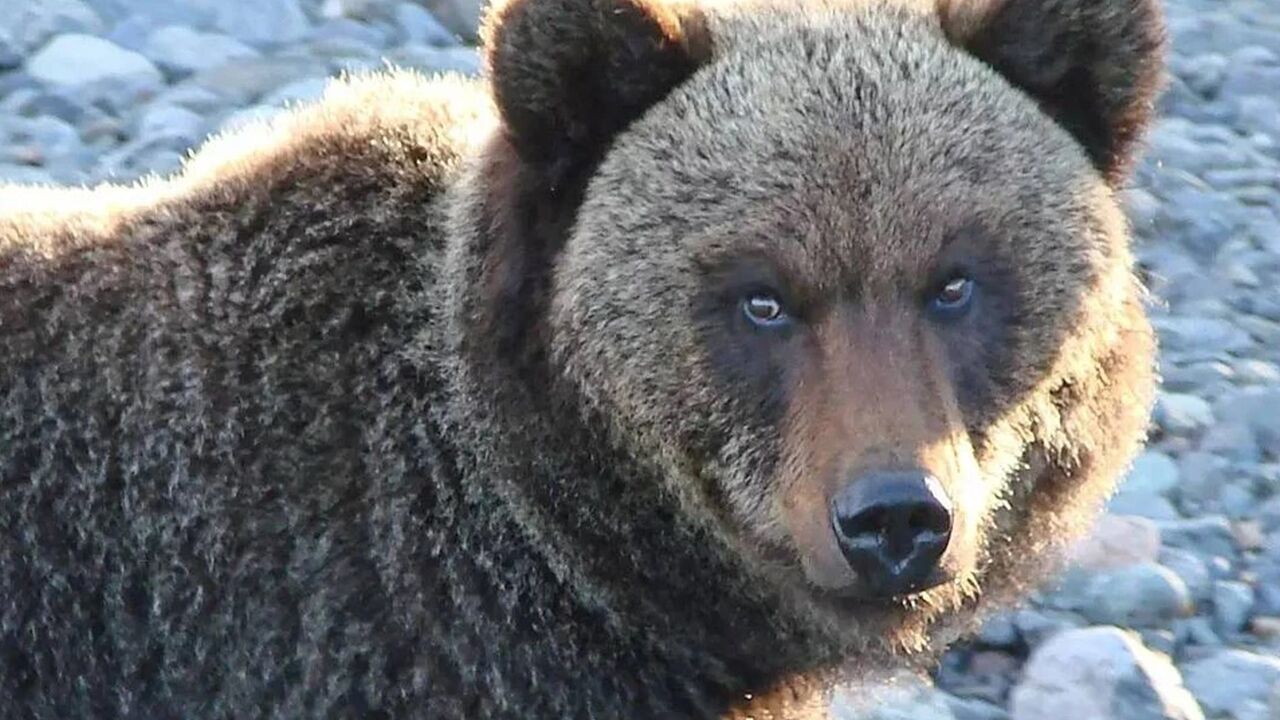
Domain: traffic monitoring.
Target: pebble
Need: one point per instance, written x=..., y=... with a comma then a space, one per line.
x=180, y=51
x=95, y=69
x=1100, y=673
x=1138, y=596
x=1232, y=605
x=1229, y=679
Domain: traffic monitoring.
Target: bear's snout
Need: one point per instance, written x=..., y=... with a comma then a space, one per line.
x=893, y=528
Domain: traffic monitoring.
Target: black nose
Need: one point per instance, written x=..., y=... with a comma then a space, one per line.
x=893, y=528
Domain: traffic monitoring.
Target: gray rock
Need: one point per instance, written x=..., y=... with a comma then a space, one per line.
x=898, y=698
x=437, y=60
x=1144, y=506
x=1190, y=569
x=301, y=91
x=180, y=50
x=1102, y=674
x=1234, y=440
x=32, y=24
x=970, y=709
x=1259, y=408
x=1182, y=414
x=1036, y=626
x=10, y=52
x=419, y=27
x=45, y=141
x=1153, y=473
x=1232, y=606
x=1229, y=679
x=242, y=118
x=95, y=69
x=461, y=17
x=263, y=22
x=1145, y=595
x=171, y=121
x=348, y=30
x=243, y=81
x=1206, y=536
x=1196, y=631
x=999, y=631
x=152, y=14
x=197, y=99
x=24, y=175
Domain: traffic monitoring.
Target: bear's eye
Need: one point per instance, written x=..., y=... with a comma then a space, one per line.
x=763, y=309
x=953, y=299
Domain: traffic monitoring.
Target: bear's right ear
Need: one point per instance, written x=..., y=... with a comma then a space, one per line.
x=1094, y=66
x=569, y=74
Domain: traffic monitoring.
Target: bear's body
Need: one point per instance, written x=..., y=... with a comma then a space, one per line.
x=341, y=423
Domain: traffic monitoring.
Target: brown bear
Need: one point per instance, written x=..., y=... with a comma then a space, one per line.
x=701, y=354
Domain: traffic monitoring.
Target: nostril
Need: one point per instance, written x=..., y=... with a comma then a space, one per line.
x=929, y=518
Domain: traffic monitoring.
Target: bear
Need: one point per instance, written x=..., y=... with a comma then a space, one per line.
x=699, y=356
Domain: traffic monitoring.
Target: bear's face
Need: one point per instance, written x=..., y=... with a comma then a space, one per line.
x=837, y=277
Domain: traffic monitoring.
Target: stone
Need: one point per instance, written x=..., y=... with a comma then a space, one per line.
x=1117, y=541
x=265, y=23
x=1137, y=596
x=180, y=50
x=172, y=121
x=1191, y=569
x=436, y=60
x=1036, y=626
x=1100, y=673
x=245, y=80
x=1258, y=408
x=1181, y=414
x=1232, y=606
x=900, y=697
x=1229, y=679
x=970, y=709
x=300, y=91
x=32, y=24
x=420, y=27
x=1200, y=337
x=1153, y=473
x=95, y=69
x=1144, y=506
x=1196, y=631
x=1210, y=535
x=461, y=17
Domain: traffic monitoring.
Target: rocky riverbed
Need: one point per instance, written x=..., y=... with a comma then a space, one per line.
x=1172, y=608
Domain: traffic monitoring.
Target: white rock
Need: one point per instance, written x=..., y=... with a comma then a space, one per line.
x=1100, y=673
x=181, y=50
x=263, y=22
x=96, y=69
x=1118, y=541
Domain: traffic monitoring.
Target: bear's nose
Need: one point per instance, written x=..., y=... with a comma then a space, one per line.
x=893, y=528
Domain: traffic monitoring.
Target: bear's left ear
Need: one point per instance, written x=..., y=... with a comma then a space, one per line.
x=569, y=74
x=1095, y=66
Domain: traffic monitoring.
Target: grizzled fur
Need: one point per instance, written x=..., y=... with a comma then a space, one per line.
x=427, y=400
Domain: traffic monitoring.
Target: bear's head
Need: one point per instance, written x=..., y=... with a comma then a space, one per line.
x=852, y=271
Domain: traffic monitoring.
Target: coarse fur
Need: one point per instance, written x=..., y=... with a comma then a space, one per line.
x=430, y=400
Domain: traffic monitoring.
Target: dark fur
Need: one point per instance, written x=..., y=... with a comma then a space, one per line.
x=310, y=430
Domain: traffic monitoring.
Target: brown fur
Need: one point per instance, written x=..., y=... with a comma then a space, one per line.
x=422, y=403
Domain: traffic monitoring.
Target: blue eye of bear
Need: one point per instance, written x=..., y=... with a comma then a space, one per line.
x=953, y=299
x=764, y=310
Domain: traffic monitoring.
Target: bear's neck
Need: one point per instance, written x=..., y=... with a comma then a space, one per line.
x=622, y=547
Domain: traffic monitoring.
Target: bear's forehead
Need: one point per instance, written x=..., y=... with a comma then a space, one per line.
x=853, y=132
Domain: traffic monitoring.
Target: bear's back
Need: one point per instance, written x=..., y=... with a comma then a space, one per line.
x=204, y=381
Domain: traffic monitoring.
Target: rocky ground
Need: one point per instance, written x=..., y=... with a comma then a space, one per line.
x=1172, y=609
